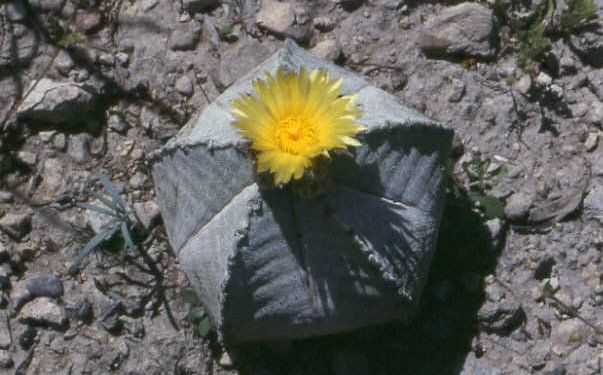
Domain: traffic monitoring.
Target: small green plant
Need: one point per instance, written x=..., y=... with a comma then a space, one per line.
x=196, y=313
x=70, y=39
x=578, y=13
x=535, y=38
x=114, y=207
x=533, y=45
x=480, y=173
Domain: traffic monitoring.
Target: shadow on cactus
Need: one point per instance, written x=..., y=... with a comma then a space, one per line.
x=113, y=206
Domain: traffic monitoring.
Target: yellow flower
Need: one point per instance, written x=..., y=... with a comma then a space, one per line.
x=293, y=118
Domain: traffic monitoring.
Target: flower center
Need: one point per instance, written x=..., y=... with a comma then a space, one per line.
x=295, y=134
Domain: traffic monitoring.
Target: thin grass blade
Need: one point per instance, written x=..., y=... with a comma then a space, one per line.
x=110, y=187
x=125, y=232
x=98, y=209
x=103, y=199
x=93, y=244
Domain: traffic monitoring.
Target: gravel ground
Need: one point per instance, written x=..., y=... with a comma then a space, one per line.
x=91, y=87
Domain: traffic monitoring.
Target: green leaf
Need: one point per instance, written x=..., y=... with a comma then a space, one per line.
x=533, y=45
x=196, y=314
x=204, y=327
x=578, y=13
x=492, y=207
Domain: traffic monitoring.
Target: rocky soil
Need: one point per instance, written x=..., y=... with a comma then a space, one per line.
x=92, y=87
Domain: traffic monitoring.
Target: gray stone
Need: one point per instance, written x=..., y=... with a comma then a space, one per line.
x=275, y=16
x=148, y=4
x=58, y=102
x=500, y=316
x=568, y=335
x=6, y=196
x=16, y=224
x=496, y=230
x=59, y=141
x=79, y=147
x=6, y=361
x=323, y=23
x=467, y=29
x=239, y=243
x=106, y=59
x=524, y=84
x=63, y=63
x=544, y=80
x=518, y=205
x=122, y=58
x=184, y=86
x=279, y=18
x=16, y=11
x=591, y=141
x=147, y=212
x=567, y=65
x=138, y=180
x=595, y=113
x=45, y=286
x=88, y=20
x=328, y=49
x=80, y=310
x=593, y=203
x=5, y=331
x=595, y=82
x=225, y=360
x=46, y=136
x=28, y=158
x=474, y=366
x=43, y=311
x=20, y=295
x=457, y=90
x=109, y=316
x=185, y=37
x=242, y=58
x=118, y=124
x=539, y=355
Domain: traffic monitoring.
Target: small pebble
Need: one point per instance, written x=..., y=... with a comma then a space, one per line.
x=184, y=86
x=591, y=142
x=225, y=360
x=6, y=361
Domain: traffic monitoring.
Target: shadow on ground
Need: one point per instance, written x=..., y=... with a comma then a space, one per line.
x=436, y=342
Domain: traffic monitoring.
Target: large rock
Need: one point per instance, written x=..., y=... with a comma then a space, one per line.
x=467, y=29
x=270, y=265
x=43, y=311
x=58, y=102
